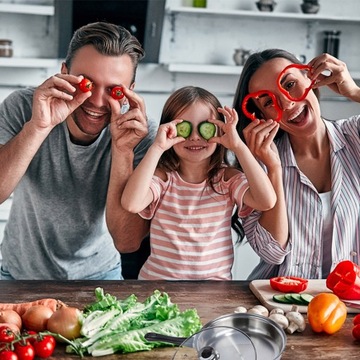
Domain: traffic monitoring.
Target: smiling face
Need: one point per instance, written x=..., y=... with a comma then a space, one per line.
x=299, y=118
x=195, y=148
x=105, y=72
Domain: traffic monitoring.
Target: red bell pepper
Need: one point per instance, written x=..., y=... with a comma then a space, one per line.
x=284, y=91
x=255, y=95
x=344, y=280
x=289, y=284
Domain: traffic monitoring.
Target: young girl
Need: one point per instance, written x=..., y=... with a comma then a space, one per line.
x=187, y=190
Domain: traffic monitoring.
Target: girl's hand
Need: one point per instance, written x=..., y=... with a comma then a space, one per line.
x=227, y=133
x=55, y=99
x=167, y=135
x=259, y=136
x=339, y=80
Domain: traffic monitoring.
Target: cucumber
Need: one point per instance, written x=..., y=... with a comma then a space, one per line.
x=184, y=129
x=281, y=298
x=306, y=298
x=207, y=130
x=293, y=298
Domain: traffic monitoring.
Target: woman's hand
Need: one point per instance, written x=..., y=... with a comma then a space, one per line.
x=339, y=80
x=259, y=136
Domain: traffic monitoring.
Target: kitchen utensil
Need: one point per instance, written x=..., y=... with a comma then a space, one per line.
x=211, y=343
x=268, y=337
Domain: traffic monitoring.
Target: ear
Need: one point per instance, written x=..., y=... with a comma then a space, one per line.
x=64, y=69
x=132, y=86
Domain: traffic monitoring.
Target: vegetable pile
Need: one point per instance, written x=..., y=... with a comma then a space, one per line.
x=119, y=326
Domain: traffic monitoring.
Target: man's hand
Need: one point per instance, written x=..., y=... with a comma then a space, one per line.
x=130, y=128
x=55, y=99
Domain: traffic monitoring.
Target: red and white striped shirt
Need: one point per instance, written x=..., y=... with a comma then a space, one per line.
x=190, y=232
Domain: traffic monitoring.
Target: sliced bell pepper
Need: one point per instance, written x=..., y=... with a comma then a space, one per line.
x=256, y=95
x=326, y=313
x=288, y=284
x=284, y=91
x=344, y=280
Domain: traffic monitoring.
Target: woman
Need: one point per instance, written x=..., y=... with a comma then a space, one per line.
x=320, y=165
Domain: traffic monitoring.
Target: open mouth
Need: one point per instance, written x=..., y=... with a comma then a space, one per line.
x=195, y=148
x=299, y=116
x=96, y=116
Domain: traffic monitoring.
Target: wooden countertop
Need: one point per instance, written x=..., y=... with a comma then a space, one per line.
x=211, y=299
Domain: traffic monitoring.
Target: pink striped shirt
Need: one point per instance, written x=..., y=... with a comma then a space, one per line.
x=190, y=232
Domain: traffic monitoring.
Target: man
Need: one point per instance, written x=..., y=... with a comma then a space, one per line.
x=65, y=155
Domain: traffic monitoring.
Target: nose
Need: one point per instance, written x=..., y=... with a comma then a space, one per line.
x=194, y=136
x=285, y=103
x=98, y=97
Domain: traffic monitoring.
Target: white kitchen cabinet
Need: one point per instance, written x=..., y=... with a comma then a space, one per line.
x=203, y=40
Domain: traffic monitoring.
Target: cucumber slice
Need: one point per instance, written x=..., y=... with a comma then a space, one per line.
x=207, y=130
x=298, y=300
x=281, y=298
x=306, y=298
x=184, y=129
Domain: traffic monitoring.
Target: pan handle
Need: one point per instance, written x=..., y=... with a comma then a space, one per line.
x=164, y=338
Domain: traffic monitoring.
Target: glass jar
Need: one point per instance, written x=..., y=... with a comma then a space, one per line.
x=332, y=42
x=6, y=49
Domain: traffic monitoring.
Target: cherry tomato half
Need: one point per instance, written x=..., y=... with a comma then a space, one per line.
x=6, y=334
x=117, y=92
x=85, y=85
x=44, y=346
x=8, y=355
x=24, y=351
x=288, y=284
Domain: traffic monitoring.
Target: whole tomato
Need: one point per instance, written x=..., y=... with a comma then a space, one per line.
x=6, y=334
x=44, y=346
x=356, y=332
x=24, y=350
x=117, y=93
x=85, y=85
x=8, y=355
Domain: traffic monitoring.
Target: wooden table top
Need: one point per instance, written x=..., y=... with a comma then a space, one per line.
x=211, y=299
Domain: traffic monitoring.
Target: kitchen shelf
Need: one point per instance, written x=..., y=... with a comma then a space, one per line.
x=218, y=69
x=28, y=62
x=27, y=9
x=204, y=69
x=261, y=14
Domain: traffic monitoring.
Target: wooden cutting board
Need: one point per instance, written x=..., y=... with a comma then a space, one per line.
x=264, y=292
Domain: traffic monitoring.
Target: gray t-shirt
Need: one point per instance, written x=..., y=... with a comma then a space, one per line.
x=56, y=227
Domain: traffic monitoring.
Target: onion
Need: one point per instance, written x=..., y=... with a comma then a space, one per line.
x=66, y=321
x=36, y=317
x=11, y=317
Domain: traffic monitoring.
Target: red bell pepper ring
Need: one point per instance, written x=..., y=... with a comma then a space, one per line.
x=288, y=284
x=284, y=91
x=344, y=280
x=255, y=95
